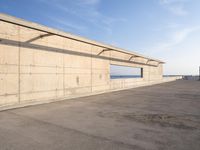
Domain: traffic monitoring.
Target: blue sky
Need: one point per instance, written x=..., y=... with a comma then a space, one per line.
x=164, y=29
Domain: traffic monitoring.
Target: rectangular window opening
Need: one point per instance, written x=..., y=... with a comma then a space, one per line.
x=121, y=72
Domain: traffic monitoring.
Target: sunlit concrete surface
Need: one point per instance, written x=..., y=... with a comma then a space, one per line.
x=39, y=65
x=159, y=117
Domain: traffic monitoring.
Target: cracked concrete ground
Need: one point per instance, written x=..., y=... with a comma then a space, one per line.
x=164, y=116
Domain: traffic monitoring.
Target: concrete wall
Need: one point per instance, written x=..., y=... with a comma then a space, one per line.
x=53, y=68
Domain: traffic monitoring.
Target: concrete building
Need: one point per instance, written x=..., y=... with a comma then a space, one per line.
x=39, y=64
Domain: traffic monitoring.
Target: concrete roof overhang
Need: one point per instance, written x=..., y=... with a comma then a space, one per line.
x=49, y=32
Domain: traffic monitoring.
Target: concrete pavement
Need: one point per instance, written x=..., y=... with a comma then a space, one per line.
x=165, y=116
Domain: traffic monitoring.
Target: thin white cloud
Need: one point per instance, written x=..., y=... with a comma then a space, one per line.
x=89, y=2
x=87, y=11
x=169, y=26
x=178, y=10
x=181, y=45
x=64, y=23
x=176, y=7
x=179, y=36
x=176, y=38
x=172, y=1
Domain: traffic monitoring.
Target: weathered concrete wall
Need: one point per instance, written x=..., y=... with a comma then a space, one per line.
x=36, y=69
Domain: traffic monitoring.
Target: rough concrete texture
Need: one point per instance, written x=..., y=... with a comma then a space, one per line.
x=159, y=117
x=36, y=67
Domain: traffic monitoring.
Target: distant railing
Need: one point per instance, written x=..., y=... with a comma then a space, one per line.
x=191, y=77
x=172, y=76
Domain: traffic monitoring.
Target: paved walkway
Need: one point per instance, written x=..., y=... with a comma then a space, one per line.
x=159, y=117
